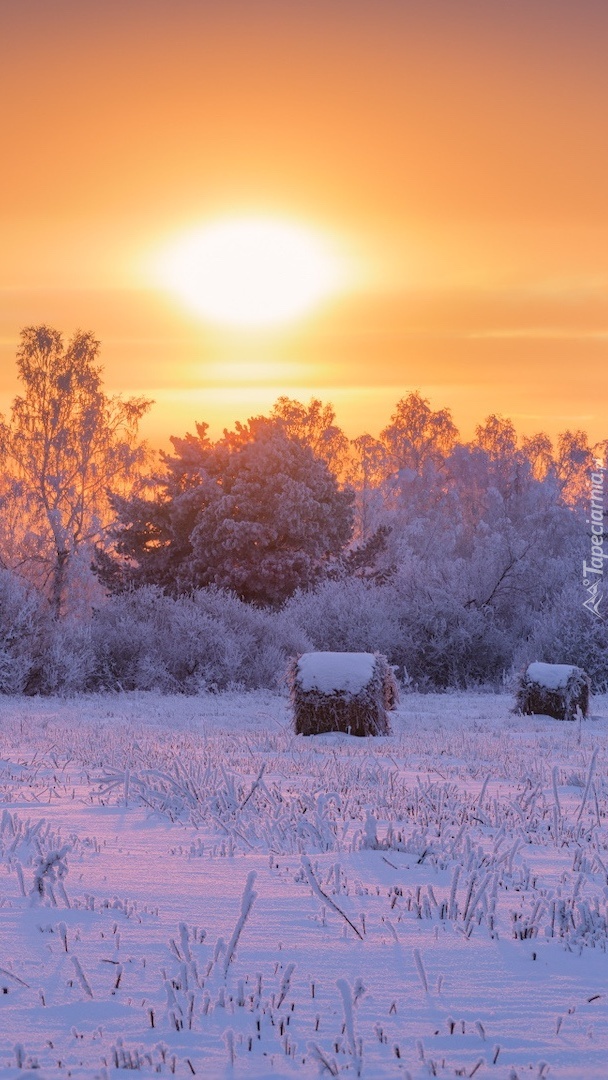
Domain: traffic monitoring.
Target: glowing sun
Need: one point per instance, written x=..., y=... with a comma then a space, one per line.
x=251, y=271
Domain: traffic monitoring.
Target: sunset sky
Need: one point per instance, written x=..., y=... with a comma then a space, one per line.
x=453, y=154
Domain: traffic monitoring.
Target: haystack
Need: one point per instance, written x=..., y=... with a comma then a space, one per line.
x=349, y=692
x=554, y=690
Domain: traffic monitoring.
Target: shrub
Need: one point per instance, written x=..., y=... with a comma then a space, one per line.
x=21, y=622
x=145, y=640
x=347, y=616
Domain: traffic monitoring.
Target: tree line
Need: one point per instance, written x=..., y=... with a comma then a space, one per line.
x=473, y=548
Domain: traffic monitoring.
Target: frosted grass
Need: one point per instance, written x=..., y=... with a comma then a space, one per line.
x=433, y=903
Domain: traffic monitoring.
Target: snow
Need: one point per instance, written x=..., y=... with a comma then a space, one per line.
x=332, y=672
x=550, y=676
x=218, y=897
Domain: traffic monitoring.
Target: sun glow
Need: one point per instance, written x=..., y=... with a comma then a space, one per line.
x=251, y=272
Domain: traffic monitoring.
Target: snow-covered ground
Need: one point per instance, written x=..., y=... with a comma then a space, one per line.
x=188, y=888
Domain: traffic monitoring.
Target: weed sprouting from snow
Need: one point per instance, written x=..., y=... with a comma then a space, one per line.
x=421, y=970
x=247, y=902
x=82, y=979
x=49, y=870
x=323, y=897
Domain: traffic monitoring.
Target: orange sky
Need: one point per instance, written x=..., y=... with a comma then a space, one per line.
x=458, y=150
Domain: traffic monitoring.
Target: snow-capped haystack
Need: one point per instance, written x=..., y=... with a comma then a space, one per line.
x=553, y=689
x=349, y=692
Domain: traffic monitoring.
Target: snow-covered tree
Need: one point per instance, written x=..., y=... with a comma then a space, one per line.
x=538, y=452
x=573, y=463
x=256, y=512
x=315, y=426
x=366, y=474
x=65, y=445
x=418, y=436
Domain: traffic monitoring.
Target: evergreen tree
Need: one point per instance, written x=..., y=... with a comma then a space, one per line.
x=256, y=512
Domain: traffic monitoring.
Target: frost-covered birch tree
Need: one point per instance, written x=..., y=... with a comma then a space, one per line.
x=66, y=444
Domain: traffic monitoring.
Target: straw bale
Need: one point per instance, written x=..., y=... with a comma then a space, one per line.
x=326, y=697
x=556, y=690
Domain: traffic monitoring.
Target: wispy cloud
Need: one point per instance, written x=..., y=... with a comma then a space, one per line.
x=541, y=333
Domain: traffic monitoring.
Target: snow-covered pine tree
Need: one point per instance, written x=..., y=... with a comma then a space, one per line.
x=256, y=512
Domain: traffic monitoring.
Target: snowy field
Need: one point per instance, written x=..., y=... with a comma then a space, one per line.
x=189, y=889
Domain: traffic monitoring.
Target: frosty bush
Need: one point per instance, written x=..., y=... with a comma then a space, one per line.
x=263, y=641
x=347, y=616
x=65, y=663
x=145, y=640
x=418, y=624
x=445, y=643
x=20, y=625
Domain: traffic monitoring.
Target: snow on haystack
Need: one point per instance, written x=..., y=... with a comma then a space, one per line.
x=349, y=692
x=554, y=690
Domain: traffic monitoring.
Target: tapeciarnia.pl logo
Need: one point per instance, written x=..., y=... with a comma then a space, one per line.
x=593, y=571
